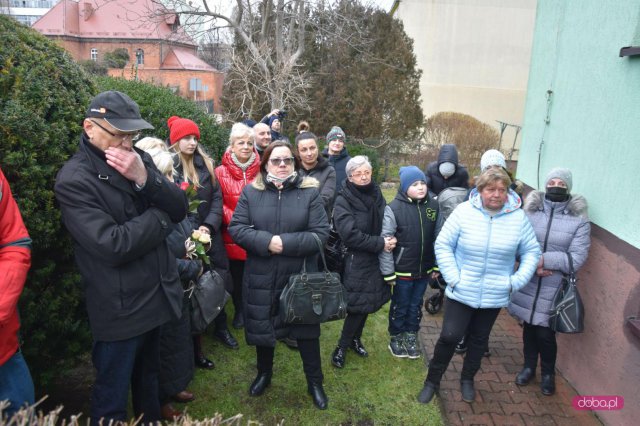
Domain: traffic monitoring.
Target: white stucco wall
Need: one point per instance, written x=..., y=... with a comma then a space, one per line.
x=474, y=55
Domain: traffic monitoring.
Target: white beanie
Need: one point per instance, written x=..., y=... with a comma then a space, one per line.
x=493, y=157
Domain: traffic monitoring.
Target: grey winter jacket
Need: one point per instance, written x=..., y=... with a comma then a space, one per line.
x=569, y=233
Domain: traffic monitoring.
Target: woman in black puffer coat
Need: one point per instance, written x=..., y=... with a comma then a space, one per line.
x=357, y=215
x=274, y=222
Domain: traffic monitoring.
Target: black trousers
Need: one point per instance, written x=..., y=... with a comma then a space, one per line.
x=459, y=317
x=236, y=268
x=539, y=341
x=309, y=353
x=352, y=328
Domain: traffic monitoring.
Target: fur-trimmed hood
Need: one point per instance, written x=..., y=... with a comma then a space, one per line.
x=300, y=182
x=576, y=206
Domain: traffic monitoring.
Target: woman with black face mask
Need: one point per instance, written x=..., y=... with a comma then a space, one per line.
x=562, y=227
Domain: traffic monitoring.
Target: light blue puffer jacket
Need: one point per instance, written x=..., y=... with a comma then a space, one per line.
x=477, y=253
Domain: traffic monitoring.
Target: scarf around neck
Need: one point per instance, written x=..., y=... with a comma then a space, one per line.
x=279, y=182
x=243, y=166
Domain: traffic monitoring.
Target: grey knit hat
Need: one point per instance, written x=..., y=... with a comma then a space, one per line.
x=335, y=133
x=560, y=173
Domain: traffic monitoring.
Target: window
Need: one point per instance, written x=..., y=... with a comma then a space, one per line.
x=140, y=57
x=94, y=54
x=26, y=19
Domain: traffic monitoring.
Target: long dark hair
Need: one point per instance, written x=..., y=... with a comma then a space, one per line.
x=266, y=155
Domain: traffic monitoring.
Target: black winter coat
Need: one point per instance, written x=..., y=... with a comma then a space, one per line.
x=293, y=213
x=414, y=223
x=129, y=275
x=436, y=182
x=339, y=163
x=209, y=215
x=326, y=176
x=366, y=290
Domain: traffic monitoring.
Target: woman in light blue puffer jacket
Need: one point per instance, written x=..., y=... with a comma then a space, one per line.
x=476, y=251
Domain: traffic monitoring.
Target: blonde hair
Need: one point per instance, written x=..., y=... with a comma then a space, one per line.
x=491, y=175
x=159, y=153
x=188, y=168
x=239, y=130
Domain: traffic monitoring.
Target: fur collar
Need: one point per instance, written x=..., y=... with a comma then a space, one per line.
x=302, y=183
x=576, y=206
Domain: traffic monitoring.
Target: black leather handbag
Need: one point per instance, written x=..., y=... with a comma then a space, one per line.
x=208, y=297
x=313, y=297
x=567, y=312
x=335, y=250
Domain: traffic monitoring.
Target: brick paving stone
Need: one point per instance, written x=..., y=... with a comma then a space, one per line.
x=492, y=396
x=504, y=387
x=535, y=420
x=459, y=407
x=486, y=407
x=520, y=408
x=476, y=419
x=513, y=420
x=488, y=375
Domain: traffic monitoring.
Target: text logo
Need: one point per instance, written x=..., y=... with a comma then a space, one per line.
x=602, y=402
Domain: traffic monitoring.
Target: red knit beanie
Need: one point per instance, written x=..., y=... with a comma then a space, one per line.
x=180, y=128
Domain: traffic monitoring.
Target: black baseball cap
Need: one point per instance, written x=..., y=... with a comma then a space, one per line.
x=119, y=110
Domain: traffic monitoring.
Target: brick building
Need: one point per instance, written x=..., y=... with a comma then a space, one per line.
x=159, y=49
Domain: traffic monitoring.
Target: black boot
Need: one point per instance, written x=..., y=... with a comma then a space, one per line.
x=548, y=384
x=428, y=391
x=524, y=376
x=316, y=391
x=337, y=358
x=358, y=347
x=200, y=360
x=468, y=390
x=238, y=320
x=226, y=338
x=259, y=384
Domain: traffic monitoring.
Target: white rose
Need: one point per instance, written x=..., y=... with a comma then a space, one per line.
x=205, y=238
x=196, y=235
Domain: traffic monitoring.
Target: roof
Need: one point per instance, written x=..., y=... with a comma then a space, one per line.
x=128, y=19
x=181, y=58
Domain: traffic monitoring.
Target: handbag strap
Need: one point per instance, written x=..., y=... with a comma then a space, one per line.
x=321, y=250
x=572, y=272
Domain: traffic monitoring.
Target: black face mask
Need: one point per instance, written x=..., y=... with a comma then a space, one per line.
x=556, y=194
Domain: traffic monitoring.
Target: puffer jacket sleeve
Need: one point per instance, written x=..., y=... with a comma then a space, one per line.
x=528, y=253
x=445, y=247
x=579, y=249
x=300, y=244
x=351, y=235
x=243, y=232
x=389, y=226
x=328, y=190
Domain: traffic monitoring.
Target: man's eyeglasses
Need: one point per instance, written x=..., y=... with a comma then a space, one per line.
x=358, y=175
x=277, y=161
x=122, y=136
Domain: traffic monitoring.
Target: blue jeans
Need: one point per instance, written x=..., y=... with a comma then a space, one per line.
x=16, y=384
x=405, y=312
x=134, y=362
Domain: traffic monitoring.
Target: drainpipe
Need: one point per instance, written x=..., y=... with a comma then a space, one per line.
x=396, y=3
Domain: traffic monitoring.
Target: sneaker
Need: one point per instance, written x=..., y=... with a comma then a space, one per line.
x=397, y=347
x=411, y=345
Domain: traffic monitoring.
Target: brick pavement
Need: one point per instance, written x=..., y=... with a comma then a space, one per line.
x=499, y=401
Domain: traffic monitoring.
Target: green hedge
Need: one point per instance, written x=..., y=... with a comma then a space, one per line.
x=43, y=97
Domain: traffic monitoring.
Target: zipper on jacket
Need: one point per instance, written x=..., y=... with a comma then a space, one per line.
x=420, y=274
x=486, y=255
x=544, y=248
x=244, y=176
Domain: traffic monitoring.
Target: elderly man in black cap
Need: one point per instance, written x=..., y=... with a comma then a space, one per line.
x=118, y=209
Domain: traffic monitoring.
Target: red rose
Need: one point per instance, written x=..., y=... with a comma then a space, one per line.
x=184, y=186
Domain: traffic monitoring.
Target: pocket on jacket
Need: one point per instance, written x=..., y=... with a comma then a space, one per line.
x=400, y=255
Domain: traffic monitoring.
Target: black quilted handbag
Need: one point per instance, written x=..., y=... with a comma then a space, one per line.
x=313, y=297
x=567, y=311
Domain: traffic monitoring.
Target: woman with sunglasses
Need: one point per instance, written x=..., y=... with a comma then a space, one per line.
x=357, y=215
x=274, y=221
x=194, y=166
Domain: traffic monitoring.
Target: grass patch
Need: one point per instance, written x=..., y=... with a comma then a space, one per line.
x=377, y=390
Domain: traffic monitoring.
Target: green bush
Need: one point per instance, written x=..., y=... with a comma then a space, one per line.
x=157, y=104
x=94, y=67
x=117, y=58
x=43, y=94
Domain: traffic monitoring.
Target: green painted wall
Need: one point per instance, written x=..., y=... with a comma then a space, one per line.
x=593, y=115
